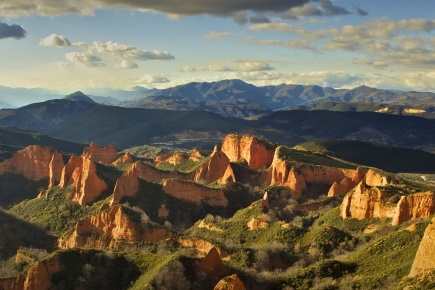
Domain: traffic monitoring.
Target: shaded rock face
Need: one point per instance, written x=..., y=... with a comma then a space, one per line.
x=410, y=207
x=33, y=162
x=212, y=263
x=424, y=260
x=114, y=229
x=258, y=154
x=104, y=155
x=366, y=202
x=36, y=278
x=194, y=192
x=81, y=173
x=124, y=159
x=128, y=183
x=232, y=282
x=217, y=168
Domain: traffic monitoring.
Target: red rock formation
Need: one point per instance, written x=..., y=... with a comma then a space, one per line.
x=212, y=263
x=124, y=159
x=341, y=188
x=257, y=153
x=104, y=155
x=111, y=226
x=55, y=169
x=194, y=192
x=373, y=178
x=202, y=246
x=265, y=203
x=424, y=261
x=176, y=157
x=81, y=173
x=410, y=207
x=366, y=202
x=256, y=223
x=128, y=183
x=217, y=168
x=33, y=162
x=230, y=283
x=295, y=176
x=36, y=278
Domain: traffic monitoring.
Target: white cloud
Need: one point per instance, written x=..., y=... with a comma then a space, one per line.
x=128, y=64
x=188, y=68
x=215, y=35
x=55, y=40
x=84, y=59
x=149, y=79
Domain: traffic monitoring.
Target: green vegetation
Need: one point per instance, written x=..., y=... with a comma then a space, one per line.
x=392, y=159
x=293, y=155
x=55, y=212
x=17, y=233
x=186, y=166
x=15, y=188
x=147, y=151
x=13, y=139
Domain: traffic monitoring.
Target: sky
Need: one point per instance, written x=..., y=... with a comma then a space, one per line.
x=87, y=44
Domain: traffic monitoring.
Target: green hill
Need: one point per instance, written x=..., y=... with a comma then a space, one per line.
x=392, y=159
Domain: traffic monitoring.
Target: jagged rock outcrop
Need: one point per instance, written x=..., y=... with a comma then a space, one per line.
x=33, y=162
x=112, y=228
x=373, y=178
x=128, y=183
x=366, y=202
x=124, y=159
x=81, y=173
x=104, y=155
x=194, y=192
x=413, y=206
x=217, y=168
x=36, y=278
x=202, y=246
x=424, y=261
x=212, y=263
x=257, y=153
x=296, y=175
x=265, y=202
x=256, y=223
x=55, y=169
x=232, y=282
x=177, y=157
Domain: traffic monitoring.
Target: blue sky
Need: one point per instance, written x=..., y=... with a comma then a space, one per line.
x=121, y=44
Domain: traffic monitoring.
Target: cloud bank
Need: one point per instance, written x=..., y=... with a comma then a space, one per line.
x=11, y=31
x=253, y=11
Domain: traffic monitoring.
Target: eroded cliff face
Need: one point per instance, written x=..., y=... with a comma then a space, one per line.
x=232, y=282
x=366, y=202
x=257, y=153
x=33, y=162
x=413, y=206
x=81, y=173
x=295, y=176
x=371, y=202
x=104, y=155
x=55, y=169
x=124, y=159
x=202, y=246
x=217, y=168
x=36, y=278
x=373, y=178
x=193, y=192
x=128, y=183
x=176, y=157
x=112, y=228
x=424, y=261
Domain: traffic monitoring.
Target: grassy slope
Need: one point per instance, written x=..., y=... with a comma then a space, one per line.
x=392, y=159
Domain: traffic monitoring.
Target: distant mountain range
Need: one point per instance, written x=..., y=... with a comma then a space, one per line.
x=84, y=121
x=235, y=98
